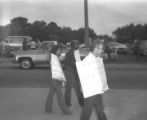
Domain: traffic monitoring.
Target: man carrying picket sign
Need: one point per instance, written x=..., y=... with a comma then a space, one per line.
x=72, y=76
x=58, y=80
x=93, y=81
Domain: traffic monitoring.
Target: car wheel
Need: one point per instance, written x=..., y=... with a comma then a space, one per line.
x=26, y=63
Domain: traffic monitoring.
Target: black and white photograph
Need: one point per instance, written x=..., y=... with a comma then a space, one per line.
x=73, y=60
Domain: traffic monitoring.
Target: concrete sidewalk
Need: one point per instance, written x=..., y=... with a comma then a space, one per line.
x=29, y=104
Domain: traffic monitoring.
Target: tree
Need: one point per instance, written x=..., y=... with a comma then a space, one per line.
x=43, y=31
x=104, y=37
x=37, y=30
x=80, y=34
x=144, y=32
x=51, y=31
x=19, y=26
x=65, y=34
x=2, y=33
x=138, y=32
x=92, y=34
x=125, y=33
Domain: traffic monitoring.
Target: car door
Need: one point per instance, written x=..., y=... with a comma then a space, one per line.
x=42, y=57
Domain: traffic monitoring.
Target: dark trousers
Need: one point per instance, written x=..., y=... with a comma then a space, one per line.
x=73, y=82
x=55, y=87
x=89, y=104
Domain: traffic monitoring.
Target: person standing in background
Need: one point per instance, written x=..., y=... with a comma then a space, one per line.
x=38, y=43
x=3, y=49
x=33, y=45
x=25, y=44
x=137, y=49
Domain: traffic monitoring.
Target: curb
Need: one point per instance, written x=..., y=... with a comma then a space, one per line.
x=130, y=65
x=107, y=65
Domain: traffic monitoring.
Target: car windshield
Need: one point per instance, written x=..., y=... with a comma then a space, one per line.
x=14, y=40
x=17, y=40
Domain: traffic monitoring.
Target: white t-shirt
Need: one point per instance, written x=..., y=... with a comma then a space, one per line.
x=77, y=55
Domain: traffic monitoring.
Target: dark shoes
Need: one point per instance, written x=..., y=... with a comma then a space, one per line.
x=71, y=107
x=67, y=113
x=48, y=110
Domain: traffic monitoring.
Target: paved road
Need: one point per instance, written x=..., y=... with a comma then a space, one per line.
x=23, y=103
x=119, y=76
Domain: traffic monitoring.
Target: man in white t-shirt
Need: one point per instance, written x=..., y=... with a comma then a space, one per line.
x=94, y=101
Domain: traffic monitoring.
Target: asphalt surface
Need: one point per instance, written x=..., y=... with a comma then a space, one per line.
x=125, y=76
x=23, y=93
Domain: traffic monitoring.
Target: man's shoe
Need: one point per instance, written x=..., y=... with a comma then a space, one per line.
x=49, y=111
x=67, y=113
x=71, y=107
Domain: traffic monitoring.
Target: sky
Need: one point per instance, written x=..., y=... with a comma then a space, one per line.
x=104, y=15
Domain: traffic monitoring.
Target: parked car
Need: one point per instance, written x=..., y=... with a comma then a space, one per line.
x=29, y=58
x=121, y=48
x=113, y=45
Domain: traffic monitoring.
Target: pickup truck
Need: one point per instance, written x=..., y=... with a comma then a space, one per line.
x=29, y=58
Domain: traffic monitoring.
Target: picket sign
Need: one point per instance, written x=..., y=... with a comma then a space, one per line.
x=77, y=55
x=92, y=76
x=56, y=69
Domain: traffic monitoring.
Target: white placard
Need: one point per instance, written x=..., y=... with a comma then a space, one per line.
x=57, y=72
x=92, y=76
x=77, y=55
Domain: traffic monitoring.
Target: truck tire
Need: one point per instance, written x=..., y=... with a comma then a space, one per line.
x=26, y=63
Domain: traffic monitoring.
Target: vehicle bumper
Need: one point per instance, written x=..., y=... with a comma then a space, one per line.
x=14, y=60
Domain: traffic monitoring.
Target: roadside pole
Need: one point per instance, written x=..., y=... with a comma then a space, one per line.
x=86, y=23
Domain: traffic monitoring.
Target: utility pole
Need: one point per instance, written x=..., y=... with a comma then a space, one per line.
x=86, y=23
